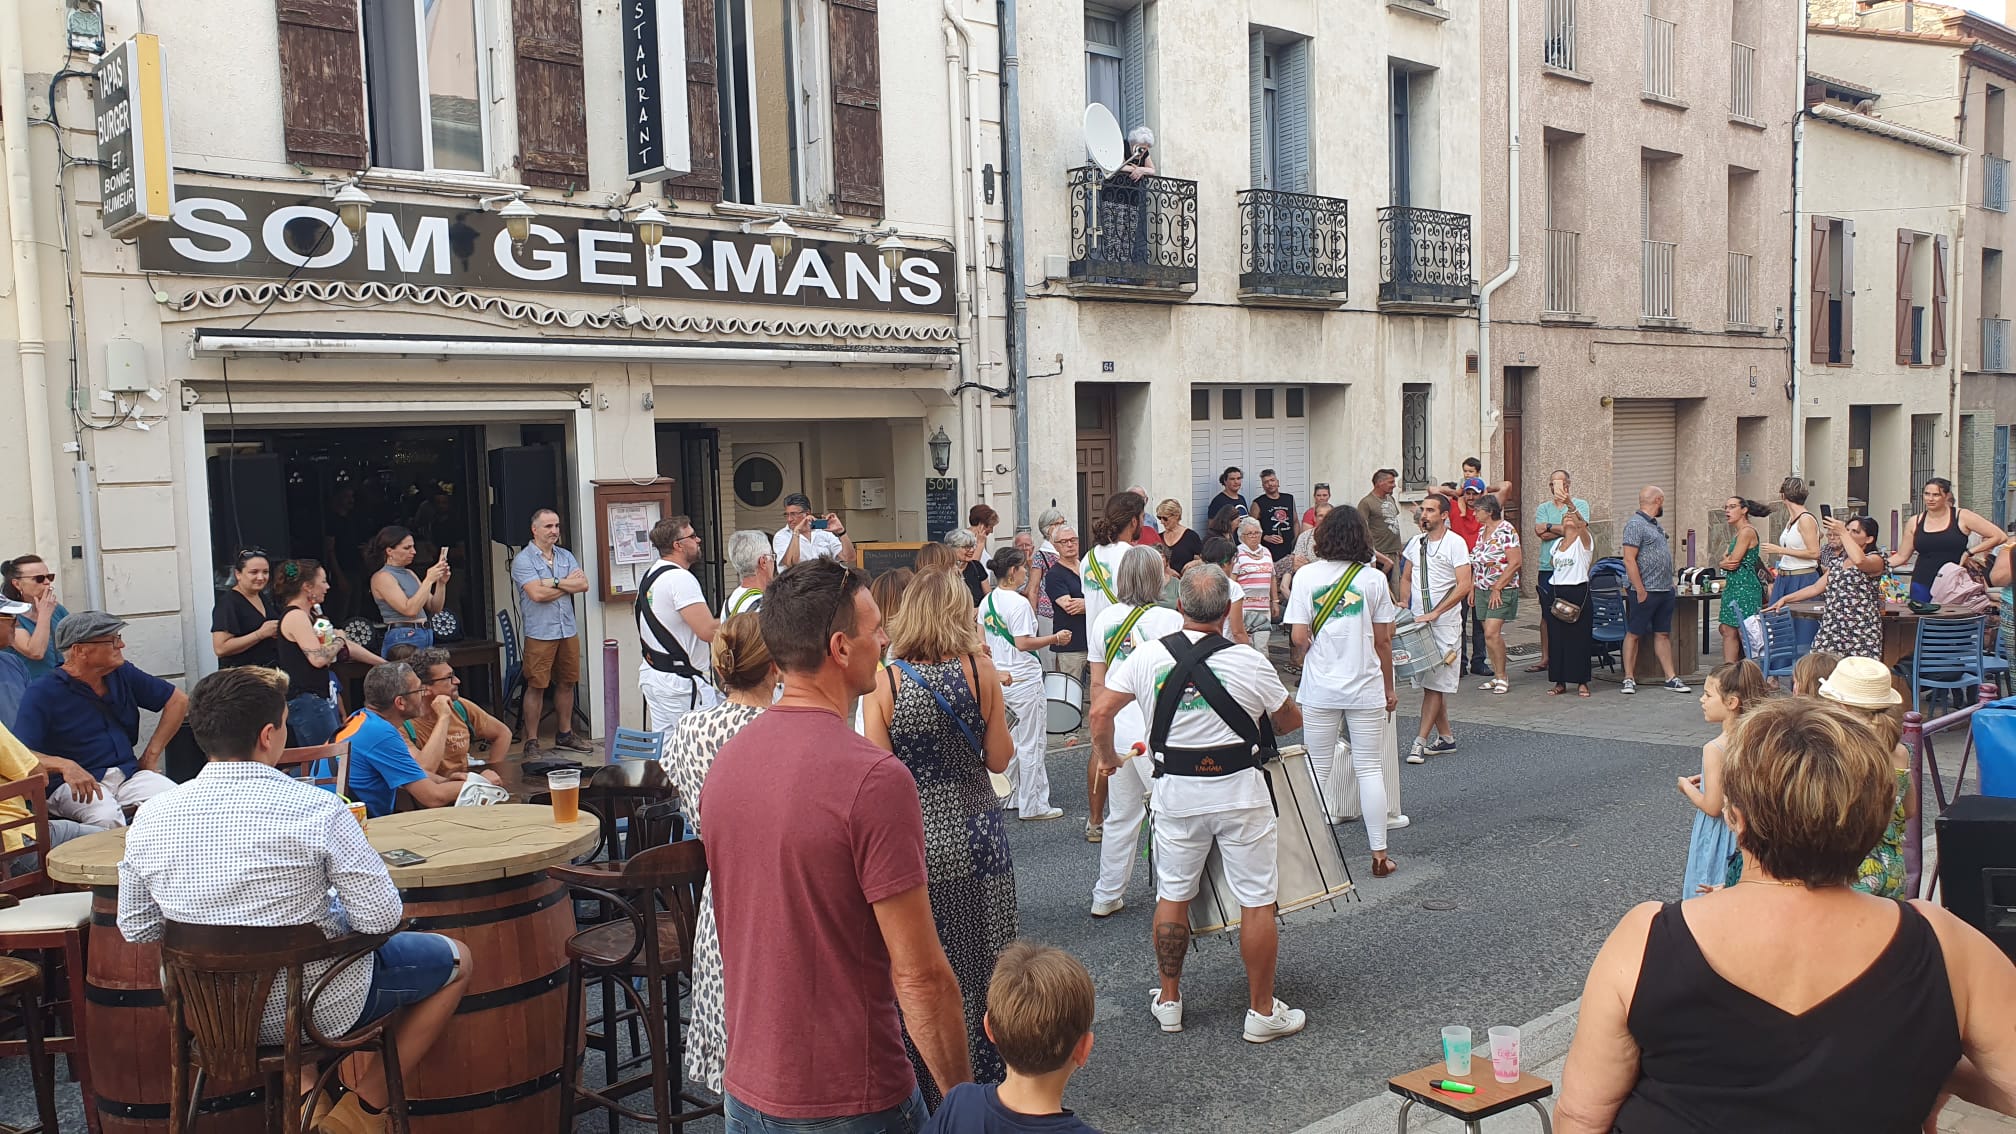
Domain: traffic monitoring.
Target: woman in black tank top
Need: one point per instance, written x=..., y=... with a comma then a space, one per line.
x=1790, y=1003
x=1938, y=536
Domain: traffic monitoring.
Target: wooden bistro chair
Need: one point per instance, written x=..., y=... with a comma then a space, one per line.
x=53, y=926
x=321, y=765
x=649, y=949
x=21, y=982
x=216, y=979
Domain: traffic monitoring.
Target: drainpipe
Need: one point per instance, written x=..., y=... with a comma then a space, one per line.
x=1793, y=334
x=962, y=257
x=1018, y=298
x=1484, y=411
x=33, y=350
x=976, y=217
x=1956, y=306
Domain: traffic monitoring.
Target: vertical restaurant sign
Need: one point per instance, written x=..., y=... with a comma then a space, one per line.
x=134, y=182
x=654, y=90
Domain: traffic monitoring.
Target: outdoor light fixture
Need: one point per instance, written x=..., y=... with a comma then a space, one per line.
x=941, y=451
x=650, y=225
x=892, y=250
x=517, y=215
x=781, y=235
x=352, y=204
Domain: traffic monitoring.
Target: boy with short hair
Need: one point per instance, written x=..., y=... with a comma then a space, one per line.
x=1039, y=1015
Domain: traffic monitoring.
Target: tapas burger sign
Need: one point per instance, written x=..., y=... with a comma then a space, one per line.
x=218, y=232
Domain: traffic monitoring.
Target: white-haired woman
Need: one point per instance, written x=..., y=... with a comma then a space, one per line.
x=1134, y=617
x=1041, y=560
x=1253, y=569
x=966, y=555
x=755, y=564
x=1140, y=156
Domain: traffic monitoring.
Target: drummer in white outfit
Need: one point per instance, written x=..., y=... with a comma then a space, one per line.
x=1439, y=559
x=1209, y=790
x=1008, y=623
x=674, y=629
x=1113, y=533
x=1123, y=627
x=1340, y=613
x=754, y=562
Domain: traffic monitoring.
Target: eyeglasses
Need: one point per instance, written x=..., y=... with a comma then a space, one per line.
x=114, y=640
x=415, y=689
x=449, y=676
x=694, y=536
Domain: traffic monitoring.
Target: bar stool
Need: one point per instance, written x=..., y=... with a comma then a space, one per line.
x=21, y=982
x=51, y=925
x=1492, y=1097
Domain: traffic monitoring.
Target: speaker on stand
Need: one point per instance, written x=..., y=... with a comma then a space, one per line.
x=1977, y=865
x=248, y=505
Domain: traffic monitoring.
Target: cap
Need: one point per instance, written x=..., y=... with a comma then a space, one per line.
x=1473, y=484
x=86, y=625
x=10, y=607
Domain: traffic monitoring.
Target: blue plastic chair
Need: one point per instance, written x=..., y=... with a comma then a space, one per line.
x=1946, y=656
x=1781, y=643
x=1606, y=611
x=1996, y=664
x=636, y=744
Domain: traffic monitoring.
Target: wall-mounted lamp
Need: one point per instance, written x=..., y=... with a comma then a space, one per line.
x=892, y=250
x=941, y=451
x=352, y=204
x=649, y=221
x=517, y=215
x=781, y=236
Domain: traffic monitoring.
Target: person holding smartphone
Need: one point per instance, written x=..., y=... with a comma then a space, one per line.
x=405, y=600
x=804, y=538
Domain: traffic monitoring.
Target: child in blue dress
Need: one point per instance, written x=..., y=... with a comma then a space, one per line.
x=1731, y=690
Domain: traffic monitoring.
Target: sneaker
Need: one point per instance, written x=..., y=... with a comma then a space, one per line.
x=1630, y=687
x=1046, y=813
x=1285, y=1021
x=1677, y=685
x=1108, y=909
x=531, y=748
x=573, y=742
x=1419, y=753
x=1398, y=821
x=1168, y=1013
x=1094, y=832
x=1442, y=744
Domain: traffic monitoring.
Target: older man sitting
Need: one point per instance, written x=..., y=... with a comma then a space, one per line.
x=84, y=719
x=382, y=761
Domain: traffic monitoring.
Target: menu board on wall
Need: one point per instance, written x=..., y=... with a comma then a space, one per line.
x=941, y=506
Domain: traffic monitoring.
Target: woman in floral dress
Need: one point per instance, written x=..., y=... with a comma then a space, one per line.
x=742, y=663
x=1743, y=582
x=1851, y=625
x=939, y=707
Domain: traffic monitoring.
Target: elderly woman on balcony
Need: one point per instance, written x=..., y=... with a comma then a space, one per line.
x=1140, y=141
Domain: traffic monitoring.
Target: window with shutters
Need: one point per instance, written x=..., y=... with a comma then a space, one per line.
x=770, y=149
x=426, y=84
x=1278, y=97
x=1116, y=44
x=1921, y=299
x=1830, y=304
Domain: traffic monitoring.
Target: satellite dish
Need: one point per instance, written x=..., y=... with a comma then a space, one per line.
x=1102, y=139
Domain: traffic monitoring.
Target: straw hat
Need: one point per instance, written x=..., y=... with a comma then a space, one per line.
x=1863, y=683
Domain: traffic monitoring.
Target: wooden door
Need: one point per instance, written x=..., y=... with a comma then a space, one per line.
x=1097, y=476
x=1514, y=425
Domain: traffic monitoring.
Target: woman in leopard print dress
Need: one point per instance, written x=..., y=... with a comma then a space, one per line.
x=748, y=678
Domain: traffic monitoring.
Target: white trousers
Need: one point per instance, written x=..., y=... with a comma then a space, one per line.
x=1373, y=788
x=117, y=792
x=1127, y=794
x=1028, y=776
x=667, y=697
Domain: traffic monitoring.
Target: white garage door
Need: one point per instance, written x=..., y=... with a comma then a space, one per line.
x=1641, y=453
x=1253, y=427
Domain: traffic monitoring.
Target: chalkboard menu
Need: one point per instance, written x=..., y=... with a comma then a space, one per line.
x=881, y=558
x=941, y=506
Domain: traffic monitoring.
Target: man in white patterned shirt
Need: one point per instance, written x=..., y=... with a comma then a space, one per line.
x=246, y=844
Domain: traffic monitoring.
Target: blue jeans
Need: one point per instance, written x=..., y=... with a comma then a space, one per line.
x=419, y=637
x=406, y=970
x=311, y=720
x=906, y=1119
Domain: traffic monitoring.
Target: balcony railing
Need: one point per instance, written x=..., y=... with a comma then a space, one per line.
x=1560, y=33
x=1739, y=288
x=1293, y=243
x=1564, y=272
x=1995, y=183
x=1133, y=233
x=1424, y=256
x=1656, y=279
x=1659, y=74
x=1742, y=80
x=1995, y=346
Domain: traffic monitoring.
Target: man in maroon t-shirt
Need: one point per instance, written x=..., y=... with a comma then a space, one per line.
x=819, y=891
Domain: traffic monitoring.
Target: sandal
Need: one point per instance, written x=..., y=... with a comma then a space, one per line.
x=1557, y=691
x=1381, y=867
x=1536, y=667
x=1499, y=685
x=1582, y=691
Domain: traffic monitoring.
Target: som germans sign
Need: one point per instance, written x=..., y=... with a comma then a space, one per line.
x=276, y=236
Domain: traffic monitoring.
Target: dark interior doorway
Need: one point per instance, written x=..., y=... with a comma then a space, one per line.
x=691, y=456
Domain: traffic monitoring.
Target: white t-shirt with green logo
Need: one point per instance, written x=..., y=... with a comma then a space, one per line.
x=1252, y=682
x=1131, y=726
x=1342, y=669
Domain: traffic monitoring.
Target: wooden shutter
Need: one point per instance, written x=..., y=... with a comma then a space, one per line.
x=1847, y=284
x=854, y=59
x=1134, y=68
x=1939, y=247
x=703, y=109
x=1291, y=111
x=552, y=98
x=1818, y=312
x=322, y=82
x=1905, y=240
x=1256, y=113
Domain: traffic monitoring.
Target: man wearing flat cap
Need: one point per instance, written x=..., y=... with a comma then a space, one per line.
x=84, y=719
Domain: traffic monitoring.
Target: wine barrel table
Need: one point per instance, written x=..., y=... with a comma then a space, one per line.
x=497, y=1066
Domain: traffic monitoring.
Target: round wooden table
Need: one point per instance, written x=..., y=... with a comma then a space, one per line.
x=497, y=1066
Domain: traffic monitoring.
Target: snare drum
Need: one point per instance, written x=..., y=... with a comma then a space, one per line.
x=1311, y=865
x=1415, y=650
x=1065, y=702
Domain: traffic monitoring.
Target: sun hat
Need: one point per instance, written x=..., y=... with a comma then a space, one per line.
x=11, y=607
x=1863, y=683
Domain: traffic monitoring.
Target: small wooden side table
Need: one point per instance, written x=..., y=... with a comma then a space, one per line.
x=1492, y=1097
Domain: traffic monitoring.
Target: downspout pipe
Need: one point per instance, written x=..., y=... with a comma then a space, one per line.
x=1018, y=296
x=31, y=348
x=1793, y=335
x=962, y=257
x=976, y=218
x=1485, y=414
x=1955, y=306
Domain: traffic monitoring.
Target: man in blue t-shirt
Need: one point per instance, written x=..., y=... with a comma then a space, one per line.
x=381, y=762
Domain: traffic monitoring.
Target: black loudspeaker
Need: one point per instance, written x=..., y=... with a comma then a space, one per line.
x=522, y=479
x=1977, y=865
x=248, y=506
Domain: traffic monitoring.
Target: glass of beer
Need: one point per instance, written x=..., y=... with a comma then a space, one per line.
x=565, y=787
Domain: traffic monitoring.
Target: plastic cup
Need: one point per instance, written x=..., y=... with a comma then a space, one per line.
x=565, y=788
x=1504, y=1054
x=1456, y=1051
x=357, y=813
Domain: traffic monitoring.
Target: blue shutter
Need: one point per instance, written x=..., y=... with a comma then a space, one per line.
x=1256, y=108
x=1133, y=69
x=1291, y=105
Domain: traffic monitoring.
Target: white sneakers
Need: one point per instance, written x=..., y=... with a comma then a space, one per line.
x=1048, y=813
x=1395, y=822
x=1109, y=907
x=1284, y=1022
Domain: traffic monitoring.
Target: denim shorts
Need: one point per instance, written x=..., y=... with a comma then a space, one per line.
x=311, y=720
x=419, y=637
x=406, y=970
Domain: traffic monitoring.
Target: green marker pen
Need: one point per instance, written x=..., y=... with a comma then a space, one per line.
x=1452, y=1085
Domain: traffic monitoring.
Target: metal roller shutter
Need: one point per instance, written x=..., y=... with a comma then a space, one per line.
x=1642, y=449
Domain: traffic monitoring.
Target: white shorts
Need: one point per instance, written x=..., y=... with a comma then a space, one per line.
x=1448, y=634
x=1246, y=842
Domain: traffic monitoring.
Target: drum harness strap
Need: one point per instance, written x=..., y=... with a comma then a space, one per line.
x=1119, y=640
x=674, y=659
x=1256, y=739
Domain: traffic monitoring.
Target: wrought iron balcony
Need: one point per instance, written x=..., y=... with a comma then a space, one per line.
x=1995, y=345
x=1995, y=183
x=1293, y=244
x=1133, y=234
x=1424, y=256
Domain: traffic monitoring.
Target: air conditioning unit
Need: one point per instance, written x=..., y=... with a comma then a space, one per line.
x=858, y=493
x=1855, y=458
